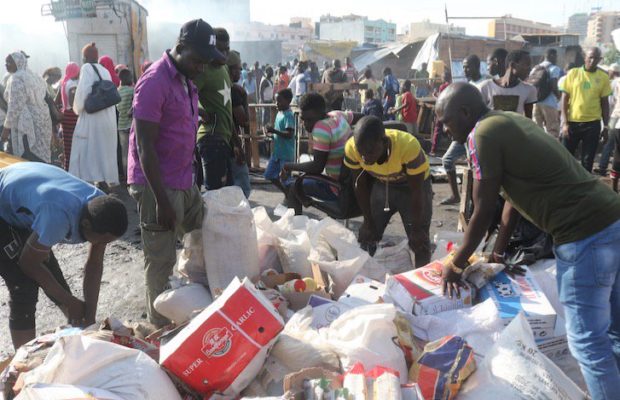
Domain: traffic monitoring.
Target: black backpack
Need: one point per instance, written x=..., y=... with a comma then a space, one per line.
x=103, y=95
x=541, y=79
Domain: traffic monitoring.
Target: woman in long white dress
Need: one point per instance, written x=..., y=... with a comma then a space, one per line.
x=93, y=151
x=27, y=117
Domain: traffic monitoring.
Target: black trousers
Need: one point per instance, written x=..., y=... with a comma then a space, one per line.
x=23, y=291
x=399, y=200
x=588, y=133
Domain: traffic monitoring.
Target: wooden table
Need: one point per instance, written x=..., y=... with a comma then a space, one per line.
x=7, y=159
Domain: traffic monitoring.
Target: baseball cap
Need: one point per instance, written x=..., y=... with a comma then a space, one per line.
x=200, y=36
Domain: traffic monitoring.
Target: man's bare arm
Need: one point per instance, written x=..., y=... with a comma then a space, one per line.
x=93, y=270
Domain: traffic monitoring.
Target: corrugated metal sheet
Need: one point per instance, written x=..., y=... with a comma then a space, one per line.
x=372, y=57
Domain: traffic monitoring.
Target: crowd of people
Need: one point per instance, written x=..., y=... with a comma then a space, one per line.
x=181, y=127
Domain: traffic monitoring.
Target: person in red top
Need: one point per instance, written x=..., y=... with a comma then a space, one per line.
x=408, y=108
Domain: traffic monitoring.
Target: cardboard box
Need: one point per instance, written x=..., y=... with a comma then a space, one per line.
x=363, y=291
x=420, y=292
x=522, y=294
x=298, y=300
x=224, y=347
x=556, y=347
x=325, y=311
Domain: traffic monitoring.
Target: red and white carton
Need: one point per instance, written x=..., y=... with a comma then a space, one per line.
x=420, y=292
x=223, y=348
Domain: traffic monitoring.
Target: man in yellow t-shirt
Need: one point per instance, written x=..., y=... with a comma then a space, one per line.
x=391, y=173
x=585, y=103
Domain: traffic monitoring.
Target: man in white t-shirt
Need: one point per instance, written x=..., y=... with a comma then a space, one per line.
x=614, y=119
x=547, y=110
x=510, y=92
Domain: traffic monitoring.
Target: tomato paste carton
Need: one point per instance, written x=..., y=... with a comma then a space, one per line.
x=522, y=293
x=223, y=348
x=420, y=292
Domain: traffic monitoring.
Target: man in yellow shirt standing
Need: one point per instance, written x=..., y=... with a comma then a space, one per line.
x=585, y=103
x=391, y=174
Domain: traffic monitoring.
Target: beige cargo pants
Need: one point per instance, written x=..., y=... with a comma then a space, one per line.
x=547, y=118
x=159, y=244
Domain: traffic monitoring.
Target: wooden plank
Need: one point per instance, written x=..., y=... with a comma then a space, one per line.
x=7, y=159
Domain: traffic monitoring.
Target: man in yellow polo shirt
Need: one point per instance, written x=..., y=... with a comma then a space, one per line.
x=585, y=103
x=391, y=173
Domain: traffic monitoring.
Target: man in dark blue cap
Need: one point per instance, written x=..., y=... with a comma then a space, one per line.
x=161, y=151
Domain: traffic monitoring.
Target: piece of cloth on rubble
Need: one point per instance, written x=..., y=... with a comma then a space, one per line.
x=161, y=96
x=539, y=181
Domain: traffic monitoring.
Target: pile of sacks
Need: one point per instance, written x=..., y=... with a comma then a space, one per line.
x=294, y=309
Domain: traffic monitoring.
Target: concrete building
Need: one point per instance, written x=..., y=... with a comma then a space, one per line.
x=118, y=28
x=600, y=26
x=423, y=29
x=507, y=27
x=578, y=24
x=290, y=37
x=356, y=28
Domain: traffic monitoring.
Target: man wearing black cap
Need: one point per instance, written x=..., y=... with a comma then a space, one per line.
x=161, y=151
x=218, y=143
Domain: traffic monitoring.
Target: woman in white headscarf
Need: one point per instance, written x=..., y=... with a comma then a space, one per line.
x=27, y=122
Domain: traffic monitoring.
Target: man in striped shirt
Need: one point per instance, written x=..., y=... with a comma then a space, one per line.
x=330, y=132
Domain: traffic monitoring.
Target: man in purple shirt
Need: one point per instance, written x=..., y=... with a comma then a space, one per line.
x=161, y=152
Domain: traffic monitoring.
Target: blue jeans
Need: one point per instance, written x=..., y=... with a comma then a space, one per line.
x=588, y=277
x=241, y=176
x=454, y=152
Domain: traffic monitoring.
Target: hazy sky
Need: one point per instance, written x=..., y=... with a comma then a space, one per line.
x=399, y=11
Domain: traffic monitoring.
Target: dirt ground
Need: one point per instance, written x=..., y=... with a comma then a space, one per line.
x=122, y=287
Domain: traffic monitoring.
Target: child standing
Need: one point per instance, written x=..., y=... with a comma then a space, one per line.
x=283, y=138
x=124, y=116
x=372, y=106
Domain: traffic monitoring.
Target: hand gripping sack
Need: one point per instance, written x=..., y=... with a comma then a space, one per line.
x=223, y=348
x=229, y=238
x=103, y=95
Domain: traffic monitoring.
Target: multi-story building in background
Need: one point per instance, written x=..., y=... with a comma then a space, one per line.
x=356, y=28
x=423, y=29
x=578, y=24
x=600, y=26
x=508, y=27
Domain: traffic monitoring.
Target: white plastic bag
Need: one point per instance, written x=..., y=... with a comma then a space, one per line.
x=178, y=304
x=395, y=259
x=229, y=238
x=516, y=369
x=350, y=258
x=368, y=335
x=267, y=234
x=127, y=373
x=294, y=251
x=191, y=262
x=479, y=325
x=300, y=346
x=42, y=391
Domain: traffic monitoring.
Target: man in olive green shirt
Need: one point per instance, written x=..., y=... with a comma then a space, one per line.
x=217, y=141
x=543, y=182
